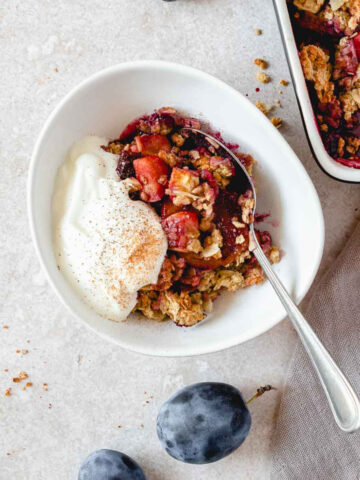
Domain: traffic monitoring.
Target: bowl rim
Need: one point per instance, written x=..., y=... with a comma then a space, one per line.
x=173, y=67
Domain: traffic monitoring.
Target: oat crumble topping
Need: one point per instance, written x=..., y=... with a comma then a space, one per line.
x=205, y=219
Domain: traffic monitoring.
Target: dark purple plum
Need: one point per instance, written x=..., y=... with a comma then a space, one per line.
x=110, y=465
x=203, y=423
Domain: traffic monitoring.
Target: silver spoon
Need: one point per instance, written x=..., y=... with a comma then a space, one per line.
x=342, y=399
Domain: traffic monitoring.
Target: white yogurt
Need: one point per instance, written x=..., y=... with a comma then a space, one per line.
x=107, y=245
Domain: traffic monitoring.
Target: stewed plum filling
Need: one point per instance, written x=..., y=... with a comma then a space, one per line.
x=328, y=36
x=192, y=184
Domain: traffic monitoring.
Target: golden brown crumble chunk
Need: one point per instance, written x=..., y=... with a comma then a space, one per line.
x=262, y=77
x=312, y=6
x=317, y=69
x=263, y=64
x=277, y=122
x=263, y=107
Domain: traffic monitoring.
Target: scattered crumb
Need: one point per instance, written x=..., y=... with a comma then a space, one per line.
x=141, y=425
x=258, y=31
x=8, y=454
x=17, y=351
x=147, y=401
x=28, y=341
x=5, y=326
x=50, y=406
x=284, y=82
x=278, y=104
x=56, y=69
x=45, y=387
x=262, y=77
x=280, y=92
x=119, y=426
x=263, y=64
x=8, y=392
x=20, y=377
x=28, y=384
x=24, y=351
x=277, y=122
x=6, y=369
x=263, y=107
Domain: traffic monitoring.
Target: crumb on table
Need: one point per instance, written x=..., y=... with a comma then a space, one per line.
x=263, y=107
x=262, y=77
x=20, y=377
x=259, y=62
x=284, y=82
x=277, y=122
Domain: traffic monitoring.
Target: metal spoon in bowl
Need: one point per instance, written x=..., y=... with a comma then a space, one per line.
x=342, y=399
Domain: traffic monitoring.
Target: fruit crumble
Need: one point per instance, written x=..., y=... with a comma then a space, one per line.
x=328, y=37
x=191, y=182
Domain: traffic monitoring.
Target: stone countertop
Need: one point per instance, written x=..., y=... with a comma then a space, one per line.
x=98, y=395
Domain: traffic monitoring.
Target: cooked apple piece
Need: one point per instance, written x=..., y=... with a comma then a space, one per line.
x=182, y=230
x=153, y=174
x=168, y=208
x=152, y=144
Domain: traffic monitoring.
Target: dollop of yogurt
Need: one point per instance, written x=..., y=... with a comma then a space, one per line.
x=107, y=245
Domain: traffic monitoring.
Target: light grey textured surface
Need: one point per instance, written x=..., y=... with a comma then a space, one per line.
x=94, y=386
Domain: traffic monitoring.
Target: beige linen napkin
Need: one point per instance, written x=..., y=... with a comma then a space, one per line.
x=307, y=443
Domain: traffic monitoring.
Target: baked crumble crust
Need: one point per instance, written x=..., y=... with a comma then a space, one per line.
x=312, y=6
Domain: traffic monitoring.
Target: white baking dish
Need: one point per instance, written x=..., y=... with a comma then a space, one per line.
x=329, y=165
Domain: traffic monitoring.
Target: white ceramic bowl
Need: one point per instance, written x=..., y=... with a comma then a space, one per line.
x=328, y=164
x=102, y=105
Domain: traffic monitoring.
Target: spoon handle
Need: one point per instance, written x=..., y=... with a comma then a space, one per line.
x=342, y=399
